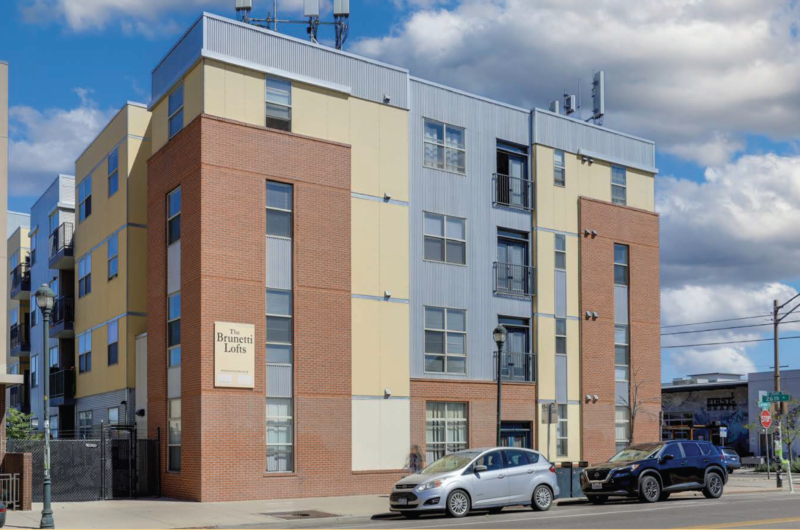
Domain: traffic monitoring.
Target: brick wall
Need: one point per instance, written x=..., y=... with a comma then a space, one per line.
x=639, y=230
x=222, y=167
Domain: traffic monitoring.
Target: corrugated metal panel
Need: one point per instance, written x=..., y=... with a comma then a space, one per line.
x=470, y=197
x=571, y=135
x=18, y=220
x=100, y=403
x=561, y=378
x=177, y=61
x=561, y=294
x=174, y=267
x=68, y=191
x=621, y=304
x=279, y=380
x=174, y=382
x=279, y=263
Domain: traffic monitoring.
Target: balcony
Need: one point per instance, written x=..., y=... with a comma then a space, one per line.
x=62, y=388
x=517, y=367
x=514, y=280
x=513, y=192
x=17, y=399
x=63, y=325
x=62, y=254
x=21, y=282
x=20, y=340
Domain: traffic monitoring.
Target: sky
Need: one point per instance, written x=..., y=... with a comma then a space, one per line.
x=716, y=83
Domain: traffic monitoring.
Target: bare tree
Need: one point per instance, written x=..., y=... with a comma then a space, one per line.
x=636, y=401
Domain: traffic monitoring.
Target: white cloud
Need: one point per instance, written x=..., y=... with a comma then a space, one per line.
x=46, y=142
x=678, y=71
x=723, y=360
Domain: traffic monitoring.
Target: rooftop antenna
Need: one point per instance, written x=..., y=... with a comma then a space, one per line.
x=570, y=103
x=598, y=97
x=341, y=17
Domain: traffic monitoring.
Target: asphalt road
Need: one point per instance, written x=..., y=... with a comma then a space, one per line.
x=740, y=511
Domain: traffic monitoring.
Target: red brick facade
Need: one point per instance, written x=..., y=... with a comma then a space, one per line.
x=639, y=230
x=222, y=168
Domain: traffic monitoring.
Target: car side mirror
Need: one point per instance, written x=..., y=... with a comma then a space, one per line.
x=665, y=458
x=479, y=469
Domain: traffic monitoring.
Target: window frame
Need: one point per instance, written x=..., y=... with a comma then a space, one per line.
x=436, y=447
x=562, y=431
x=444, y=146
x=85, y=423
x=268, y=103
x=177, y=420
x=623, y=422
x=84, y=276
x=289, y=211
x=85, y=355
x=174, y=347
x=615, y=172
x=33, y=248
x=281, y=420
x=85, y=199
x=54, y=366
x=174, y=216
x=561, y=323
x=113, y=258
x=622, y=264
x=108, y=416
x=283, y=317
x=560, y=183
x=445, y=332
x=444, y=238
x=113, y=173
x=560, y=252
x=174, y=113
x=35, y=371
x=112, y=347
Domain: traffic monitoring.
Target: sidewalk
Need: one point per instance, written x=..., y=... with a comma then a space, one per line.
x=167, y=513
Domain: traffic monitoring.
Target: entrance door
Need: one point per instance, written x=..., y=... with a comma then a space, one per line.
x=516, y=434
x=518, y=361
x=512, y=261
x=513, y=185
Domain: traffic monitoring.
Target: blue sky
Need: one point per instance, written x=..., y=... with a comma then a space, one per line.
x=716, y=84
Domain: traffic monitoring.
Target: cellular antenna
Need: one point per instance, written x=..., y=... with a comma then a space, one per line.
x=341, y=18
x=598, y=95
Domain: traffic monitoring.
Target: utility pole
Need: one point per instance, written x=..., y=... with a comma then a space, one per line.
x=779, y=446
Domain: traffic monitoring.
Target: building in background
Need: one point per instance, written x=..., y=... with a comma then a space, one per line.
x=18, y=346
x=762, y=383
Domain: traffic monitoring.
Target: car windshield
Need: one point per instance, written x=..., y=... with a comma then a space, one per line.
x=450, y=462
x=636, y=452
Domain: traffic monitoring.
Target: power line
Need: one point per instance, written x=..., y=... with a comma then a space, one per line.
x=715, y=321
x=726, y=328
x=726, y=342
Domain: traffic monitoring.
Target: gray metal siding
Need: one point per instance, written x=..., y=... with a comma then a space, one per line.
x=100, y=403
x=183, y=55
x=621, y=304
x=279, y=380
x=467, y=287
x=561, y=293
x=561, y=378
x=279, y=263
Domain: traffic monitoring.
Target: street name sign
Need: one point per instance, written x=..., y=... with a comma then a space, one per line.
x=766, y=419
x=775, y=397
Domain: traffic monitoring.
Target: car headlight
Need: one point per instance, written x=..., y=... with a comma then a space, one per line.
x=431, y=485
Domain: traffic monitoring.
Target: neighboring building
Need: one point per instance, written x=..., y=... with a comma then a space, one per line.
x=761, y=383
x=698, y=406
x=18, y=346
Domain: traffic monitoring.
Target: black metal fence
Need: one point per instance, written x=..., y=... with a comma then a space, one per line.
x=513, y=192
x=516, y=366
x=61, y=240
x=513, y=279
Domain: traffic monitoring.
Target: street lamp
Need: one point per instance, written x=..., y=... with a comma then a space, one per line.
x=45, y=299
x=499, y=336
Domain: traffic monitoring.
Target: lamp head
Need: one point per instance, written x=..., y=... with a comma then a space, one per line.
x=45, y=298
x=499, y=334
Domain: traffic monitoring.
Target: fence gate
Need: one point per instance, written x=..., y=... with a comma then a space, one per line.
x=131, y=464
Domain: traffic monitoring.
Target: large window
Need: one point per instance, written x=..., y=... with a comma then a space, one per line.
x=34, y=245
x=34, y=371
x=85, y=275
x=622, y=427
x=619, y=185
x=174, y=329
x=113, y=171
x=84, y=424
x=562, y=445
x=34, y=315
x=54, y=426
x=561, y=336
x=85, y=198
x=279, y=104
x=174, y=216
x=113, y=342
x=445, y=147
x=621, y=276
x=445, y=238
x=279, y=435
x=55, y=361
x=279, y=209
x=445, y=340
x=279, y=326
x=561, y=252
x=174, y=436
x=445, y=429
x=176, y=111
x=559, y=168
x=85, y=353
x=113, y=416
x=113, y=256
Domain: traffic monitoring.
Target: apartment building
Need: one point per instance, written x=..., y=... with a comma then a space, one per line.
x=18, y=345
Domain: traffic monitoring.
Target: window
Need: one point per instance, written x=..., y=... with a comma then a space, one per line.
x=174, y=437
x=679, y=419
x=85, y=198
x=54, y=359
x=174, y=216
x=674, y=450
x=621, y=272
x=622, y=427
x=619, y=185
x=533, y=458
x=512, y=187
x=492, y=461
x=84, y=423
x=621, y=354
x=690, y=449
x=445, y=238
x=34, y=315
x=174, y=329
x=113, y=171
x=34, y=239
x=561, y=252
x=559, y=168
x=13, y=316
x=445, y=340
x=85, y=353
x=562, y=447
x=54, y=426
x=113, y=416
x=445, y=429
x=113, y=256
x=279, y=435
x=279, y=209
x=113, y=343
x=279, y=104
x=561, y=336
x=53, y=222
x=279, y=327
x=34, y=371
x=85, y=275
x=13, y=261
x=445, y=147
x=175, y=111
x=516, y=458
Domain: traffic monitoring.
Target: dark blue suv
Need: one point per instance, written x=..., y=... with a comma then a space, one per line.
x=653, y=471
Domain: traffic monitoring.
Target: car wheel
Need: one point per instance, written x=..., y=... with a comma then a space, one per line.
x=495, y=510
x=458, y=503
x=542, y=498
x=714, y=486
x=664, y=496
x=649, y=489
x=597, y=499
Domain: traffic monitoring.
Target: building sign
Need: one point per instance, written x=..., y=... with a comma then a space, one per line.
x=721, y=403
x=234, y=355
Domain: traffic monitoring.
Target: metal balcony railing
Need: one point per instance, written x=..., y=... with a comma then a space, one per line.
x=21, y=278
x=513, y=192
x=64, y=312
x=520, y=367
x=61, y=240
x=19, y=336
x=513, y=279
x=62, y=384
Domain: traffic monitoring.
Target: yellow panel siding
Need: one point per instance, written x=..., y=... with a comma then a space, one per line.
x=573, y=275
x=137, y=153
x=394, y=250
x=573, y=360
x=136, y=268
x=160, y=125
x=393, y=153
x=193, y=101
x=111, y=135
x=320, y=113
x=366, y=255
x=365, y=138
x=108, y=297
x=134, y=326
x=394, y=352
x=641, y=192
x=233, y=92
x=104, y=378
x=546, y=361
x=138, y=121
x=545, y=272
x=573, y=433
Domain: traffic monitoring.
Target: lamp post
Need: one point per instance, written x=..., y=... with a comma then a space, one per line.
x=45, y=299
x=499, y=336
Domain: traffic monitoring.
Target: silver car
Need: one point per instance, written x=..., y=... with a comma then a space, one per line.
x=478, y=479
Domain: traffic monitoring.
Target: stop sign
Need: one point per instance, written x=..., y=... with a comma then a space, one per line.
x=766, y=419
